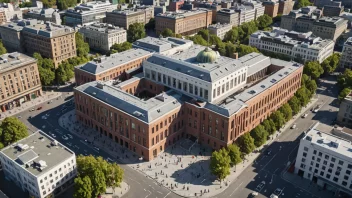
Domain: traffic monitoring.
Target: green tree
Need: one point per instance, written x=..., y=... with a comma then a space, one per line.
x=230, y=49
x=345, y=80
x=135, y=31
x=302, y=3
x=234, y=154
x=232, y=35
x=12, y=130
x=264, y=21
x=269, y=126
x=205, y=34
x=286, y=111
x=167, y=33
x=25, y=4
x=344, y=93
x=2, y=48
x=81, y=46
x=313, y=69
x=49, y=3
x=295, y=105
x=304, y=80
x=198, y=39
x=278, y=119
x=330, y=64
x=46, y=69
x=83, y=187
x=260, y=135
x=120, y=47
x=245, y=49
x=220, y=164
x=311, y=86
x=303, y=95
x=246, y=143
x=151, y=24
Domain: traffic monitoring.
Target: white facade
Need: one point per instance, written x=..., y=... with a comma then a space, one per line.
x=39, y=164
x=346, y=56
x=102, y=36
x=296, y=45
x=219, y=29
x=11, y=13
x=325, y=159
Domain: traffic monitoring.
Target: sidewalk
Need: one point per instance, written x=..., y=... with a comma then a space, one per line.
x=306, y=185
x=47, y=96
x=117, y=192
x=182, y=168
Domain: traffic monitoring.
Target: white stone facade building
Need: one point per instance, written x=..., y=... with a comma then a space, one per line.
x=219, y=29
x=102, y=36
x=346, y=56
x=326, y=160
x=298, y=46
x=39, y=164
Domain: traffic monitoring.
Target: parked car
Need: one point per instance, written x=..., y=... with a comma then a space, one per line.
x=260, y=186
x=39, y=108
x=278, y=192
x=304, y=115
x=293, y=126
x=253, y=194
x=268, y=152
x=64, y=137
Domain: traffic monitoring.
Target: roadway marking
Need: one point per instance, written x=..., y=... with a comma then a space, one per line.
x=268, y=162
x=235, y=189
x=167, y=194
x=159, y=192
x=148, y=194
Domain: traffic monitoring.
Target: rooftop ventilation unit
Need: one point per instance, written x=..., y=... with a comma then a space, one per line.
x=252, y=92
x=54, y=143
x=334, y=144
x=137, y=113
x=22, y=147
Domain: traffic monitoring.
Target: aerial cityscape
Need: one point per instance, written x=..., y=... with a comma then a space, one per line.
x=175, y=98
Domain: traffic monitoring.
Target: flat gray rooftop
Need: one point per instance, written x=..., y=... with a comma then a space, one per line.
x=159, y=44
x=39, y=149
x=14, y=60
x=329, y=141
x=145, y=110
x=114, y=60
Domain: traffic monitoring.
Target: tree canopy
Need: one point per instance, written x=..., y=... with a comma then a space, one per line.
x=2, y=48
x=344, y=93
x=151, y=24
x=246, y=143
x=100, y=173
x=260, y=135
x=46, y=69
x=269, y=126
x=295, y=105
x=167, y=33
x=345, y=80
x=330, y=64
x=83, y=187
x=135, y=31
x=81, y=46
x=120, y=47
x=286, y=111
x=313, y=69
x=220, y=164
x=278, y=119
x=303, y=95
x=234, y=154
x=302, y=3
x=12, y=130
x=264, y=21
x=65, y=4
x=49, y=3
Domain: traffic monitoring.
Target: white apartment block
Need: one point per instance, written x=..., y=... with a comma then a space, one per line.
x=344, y=117
x=299, y=46
x=326, y=160
x=102, y=36
x=219, y=29
x=39, y=164
x=9, y=13
x=346, y=56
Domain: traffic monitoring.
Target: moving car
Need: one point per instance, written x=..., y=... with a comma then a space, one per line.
x=260, y=186
x=305, y=115
x=39, y=108
x=268, y=152
x=253, y=194
x=277, y=192
x=293, y=126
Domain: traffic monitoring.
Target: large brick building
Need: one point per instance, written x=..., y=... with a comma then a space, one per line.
x=184, y=22
x=19, y=80
x=191, y=93
x=50, y=40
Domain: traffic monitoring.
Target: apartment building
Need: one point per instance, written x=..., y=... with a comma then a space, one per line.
x=346, y=56
x=301, y=47
x=88, y=13
x=191, y=93
x=334, y=8
x=111, y=67
x=19, y=80
x=271, y=8
x=219, y=29
x=305, y=21
x=101, y=36
x=183, y=22
x=325, y=159
x=11, y=35
x=9, y=13
x=50, y=15
x=39, y=165
x=344, y=117
x=175, y=5
x=50, y=40
x=240, y=13
x=124, y=18
x=285, y=6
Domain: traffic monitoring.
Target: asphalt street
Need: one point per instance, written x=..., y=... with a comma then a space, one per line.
x=266, y=168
